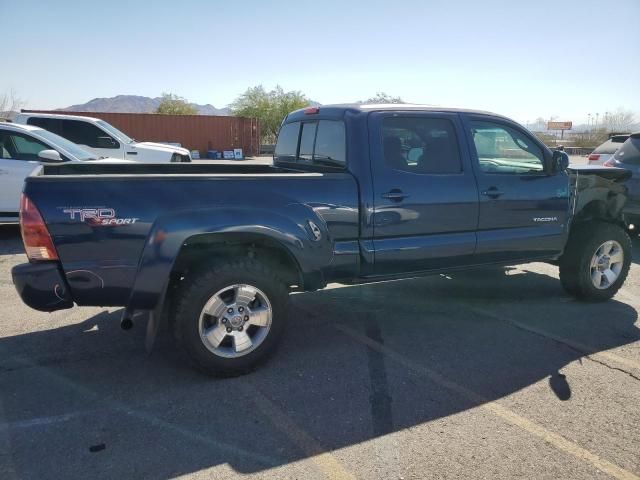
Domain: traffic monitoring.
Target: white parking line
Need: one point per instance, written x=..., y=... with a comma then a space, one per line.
x=504, y=413
x=327, y=463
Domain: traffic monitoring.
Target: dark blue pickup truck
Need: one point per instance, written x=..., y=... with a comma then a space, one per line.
x=356, y=194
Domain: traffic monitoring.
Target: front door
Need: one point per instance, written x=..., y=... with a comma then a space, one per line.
x=425, y=194
x=93, y=138
x=524, y=206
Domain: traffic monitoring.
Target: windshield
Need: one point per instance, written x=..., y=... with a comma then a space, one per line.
x=115, y=132
x=57, y=141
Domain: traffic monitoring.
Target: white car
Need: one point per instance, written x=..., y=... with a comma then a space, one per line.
x=605, y=151
x=104, y=139
x=23, y=149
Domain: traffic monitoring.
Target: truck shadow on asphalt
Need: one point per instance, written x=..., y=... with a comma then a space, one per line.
x=356, y=363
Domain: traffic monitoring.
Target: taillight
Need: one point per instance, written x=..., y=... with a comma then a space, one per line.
x=593, y=157
x=35, y=236
x=609, y=163
x=311, y=110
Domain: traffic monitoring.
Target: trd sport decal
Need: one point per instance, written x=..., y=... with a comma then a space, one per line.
x=98, y=216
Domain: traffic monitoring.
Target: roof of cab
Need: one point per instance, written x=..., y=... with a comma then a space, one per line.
x=335, y=109
x=18, y=126
x=56, y=115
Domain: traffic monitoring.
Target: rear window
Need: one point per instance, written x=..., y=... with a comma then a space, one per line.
x=629, y=152
x=320, y=142
x=51, y=124
x=287, y=146
x=608, y=147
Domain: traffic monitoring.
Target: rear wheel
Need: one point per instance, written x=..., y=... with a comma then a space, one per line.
x=230, y=319
x=596, y=261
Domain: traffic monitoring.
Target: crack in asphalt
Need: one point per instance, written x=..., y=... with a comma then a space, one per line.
x=588, y=355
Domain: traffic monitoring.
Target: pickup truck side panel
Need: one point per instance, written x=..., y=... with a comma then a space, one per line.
x=141, y=251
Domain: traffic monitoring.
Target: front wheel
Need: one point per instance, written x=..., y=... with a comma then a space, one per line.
x=596, y=261
x=229, y=319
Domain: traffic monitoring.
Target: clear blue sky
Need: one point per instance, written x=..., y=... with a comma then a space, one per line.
x=524, y=59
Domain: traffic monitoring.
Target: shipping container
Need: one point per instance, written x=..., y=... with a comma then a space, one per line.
x=194, y=132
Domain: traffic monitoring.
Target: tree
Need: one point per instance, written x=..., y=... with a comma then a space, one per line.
x=269, y=108
x=9, y=104
x=382, y=97
x=171, y=104
x=620, y=121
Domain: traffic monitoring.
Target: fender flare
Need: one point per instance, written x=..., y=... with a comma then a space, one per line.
x=171, y=232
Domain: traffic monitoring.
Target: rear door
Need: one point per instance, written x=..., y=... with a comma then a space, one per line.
x=19, y=159
x=425, y=194
x=523, y=206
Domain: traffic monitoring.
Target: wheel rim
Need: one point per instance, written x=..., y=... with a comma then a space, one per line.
x=235, y=320
x=606, y=264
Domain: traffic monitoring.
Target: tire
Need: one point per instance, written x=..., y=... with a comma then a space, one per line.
x=587, y=271
x=198, y=329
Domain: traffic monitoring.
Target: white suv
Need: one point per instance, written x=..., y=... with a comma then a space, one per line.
x=104, y=139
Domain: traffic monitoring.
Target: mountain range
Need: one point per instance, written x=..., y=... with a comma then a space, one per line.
x=135, y=104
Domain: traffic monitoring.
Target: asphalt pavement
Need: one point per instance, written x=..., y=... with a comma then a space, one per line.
x=487, y=374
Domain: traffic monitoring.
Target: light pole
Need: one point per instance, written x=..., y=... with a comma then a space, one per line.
x=597, y=116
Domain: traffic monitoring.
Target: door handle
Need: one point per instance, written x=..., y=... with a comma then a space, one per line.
x=493, y=192
x=395, y=195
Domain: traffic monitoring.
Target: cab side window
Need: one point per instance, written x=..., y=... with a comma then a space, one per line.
x=84, y=133
x=21, y=147
x=505, y=150
x=53, y=125
x=421, y=145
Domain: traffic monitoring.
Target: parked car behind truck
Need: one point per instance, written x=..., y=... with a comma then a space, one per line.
x=628, y=157
x=103, y=139
x=357, y=194
x=23, y=148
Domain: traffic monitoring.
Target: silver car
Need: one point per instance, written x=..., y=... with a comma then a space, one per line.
x=605, y=151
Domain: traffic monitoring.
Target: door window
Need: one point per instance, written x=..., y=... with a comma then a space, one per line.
x=504, y=150
x=421, y=145
x=21, y=147
x=85, y=133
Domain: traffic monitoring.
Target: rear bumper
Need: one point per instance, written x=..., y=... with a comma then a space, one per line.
x=42, y=286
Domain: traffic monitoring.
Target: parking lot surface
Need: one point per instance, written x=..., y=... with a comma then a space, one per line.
x=493, y=373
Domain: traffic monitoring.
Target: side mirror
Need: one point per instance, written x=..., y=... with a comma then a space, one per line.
x=560, y=161
x=50, y=156
x=107, y=142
